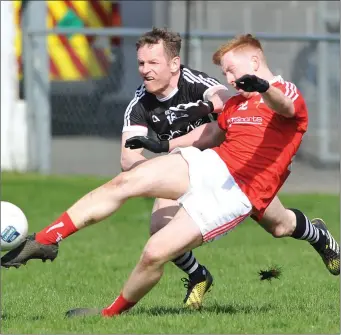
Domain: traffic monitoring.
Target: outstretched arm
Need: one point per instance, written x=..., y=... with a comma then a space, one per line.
x=280, y=102
x=275, y=99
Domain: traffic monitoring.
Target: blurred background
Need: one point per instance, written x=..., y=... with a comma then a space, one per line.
x=69, y=70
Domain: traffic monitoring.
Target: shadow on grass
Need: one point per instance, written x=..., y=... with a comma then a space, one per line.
x=163, y=311
x=214, y=309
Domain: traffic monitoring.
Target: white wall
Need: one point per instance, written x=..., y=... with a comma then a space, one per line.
x=13, y=112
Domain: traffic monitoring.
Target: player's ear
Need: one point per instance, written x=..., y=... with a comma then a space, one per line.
x=175, y=64
x=255, y=63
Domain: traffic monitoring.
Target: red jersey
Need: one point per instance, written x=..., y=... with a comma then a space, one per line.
x=260, y=144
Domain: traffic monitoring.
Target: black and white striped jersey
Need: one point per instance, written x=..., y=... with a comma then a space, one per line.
x=148, y=112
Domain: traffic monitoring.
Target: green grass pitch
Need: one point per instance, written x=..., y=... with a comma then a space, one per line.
x=93, y=265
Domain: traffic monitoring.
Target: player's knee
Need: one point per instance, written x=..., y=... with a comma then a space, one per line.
x=120, y=180
x=123, y=183
x=151, y=256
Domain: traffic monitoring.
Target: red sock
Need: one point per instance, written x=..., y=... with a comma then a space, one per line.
x=59, y=229
x=118, y=306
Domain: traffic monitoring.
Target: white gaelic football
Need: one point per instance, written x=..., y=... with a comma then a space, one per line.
x=14, y=226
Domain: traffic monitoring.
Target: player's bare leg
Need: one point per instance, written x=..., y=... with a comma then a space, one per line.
x=145, y=180
x=284, y=222
x=198, y=276
x=180, y=235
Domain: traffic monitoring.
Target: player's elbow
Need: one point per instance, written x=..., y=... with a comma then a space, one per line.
x=125, y=163
x=129, y=160
x=218, y=95
x=288, y=109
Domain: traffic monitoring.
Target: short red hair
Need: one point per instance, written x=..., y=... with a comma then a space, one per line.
x=239, y=42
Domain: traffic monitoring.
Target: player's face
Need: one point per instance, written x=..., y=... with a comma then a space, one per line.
x=235, y=65
x=155, y=68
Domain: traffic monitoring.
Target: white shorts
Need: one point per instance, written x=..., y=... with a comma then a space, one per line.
x=214, y=200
